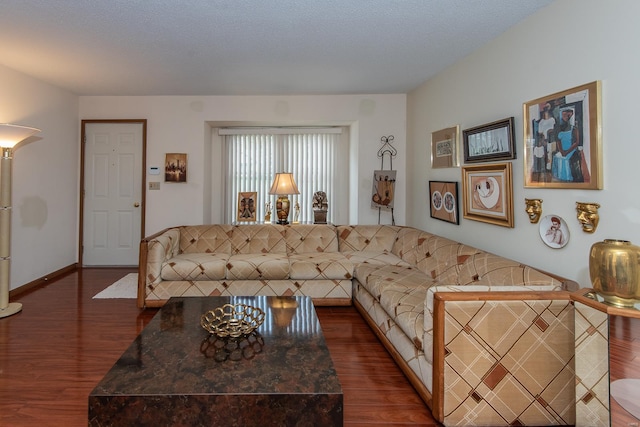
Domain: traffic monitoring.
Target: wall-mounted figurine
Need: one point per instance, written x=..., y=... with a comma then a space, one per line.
x=588, y=216
x=534, y=209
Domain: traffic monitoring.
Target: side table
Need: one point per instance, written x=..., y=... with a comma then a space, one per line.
x=594, y=388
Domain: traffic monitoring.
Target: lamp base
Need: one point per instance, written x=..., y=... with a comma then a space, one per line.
x=11, y=309
x=282, y=210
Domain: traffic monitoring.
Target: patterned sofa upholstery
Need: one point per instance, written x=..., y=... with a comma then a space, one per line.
x=483, y=339
x=202, y=260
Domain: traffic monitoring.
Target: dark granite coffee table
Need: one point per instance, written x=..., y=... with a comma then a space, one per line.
x=174, y=373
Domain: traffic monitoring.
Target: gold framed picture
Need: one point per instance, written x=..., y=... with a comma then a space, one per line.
x=487, y=192
x=444, y=148
x=562, y=139
x=247, y=206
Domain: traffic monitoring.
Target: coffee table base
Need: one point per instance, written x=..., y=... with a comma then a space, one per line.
x=274, y=410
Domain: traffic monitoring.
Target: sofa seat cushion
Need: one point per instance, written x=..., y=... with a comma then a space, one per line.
x=374, y=258
x=375, y=278
x=259, y=266
x=202, y=266
x=320, y=265
x=405, y=305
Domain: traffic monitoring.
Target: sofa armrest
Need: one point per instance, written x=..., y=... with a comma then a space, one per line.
x=154, y=250
x=503, y=358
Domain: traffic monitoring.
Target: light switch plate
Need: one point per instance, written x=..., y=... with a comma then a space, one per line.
x=154, y=185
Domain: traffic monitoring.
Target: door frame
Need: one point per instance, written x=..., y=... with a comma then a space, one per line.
x=143, y=193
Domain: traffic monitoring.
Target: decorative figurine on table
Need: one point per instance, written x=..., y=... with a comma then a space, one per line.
x=588, y=216
x=267, y=209
x=296, y=213
x=320, y=207
x=534, y=209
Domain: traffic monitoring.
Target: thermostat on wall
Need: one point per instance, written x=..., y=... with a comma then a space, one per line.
x=154, y=170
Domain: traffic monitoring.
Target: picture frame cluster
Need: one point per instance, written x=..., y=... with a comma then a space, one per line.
x=561, y=148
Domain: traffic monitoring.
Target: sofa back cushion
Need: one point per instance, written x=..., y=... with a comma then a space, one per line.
x=436, y=256
x=205, y=239
x=488, y=269
x=367, y=238
x=256, y=239
x=408, y=244
x=302, y=239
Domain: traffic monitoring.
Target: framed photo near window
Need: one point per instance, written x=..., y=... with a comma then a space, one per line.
x=175, y=167
x=487, y=193
x=444, y=148
x=493, y=141
x=444, y=201
x=562, y=139
x=247, y=205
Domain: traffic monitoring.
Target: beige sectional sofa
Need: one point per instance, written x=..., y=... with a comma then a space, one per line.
x=484, y=340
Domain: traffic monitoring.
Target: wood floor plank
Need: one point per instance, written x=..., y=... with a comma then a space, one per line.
x=57, y=349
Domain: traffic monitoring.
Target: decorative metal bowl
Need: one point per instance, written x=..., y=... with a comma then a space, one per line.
x=232, y=320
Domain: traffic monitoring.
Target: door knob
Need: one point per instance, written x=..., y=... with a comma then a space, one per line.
x=136, y=205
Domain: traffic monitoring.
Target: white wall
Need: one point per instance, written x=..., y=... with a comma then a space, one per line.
x=568, y=43
x=182, y=124
x=45, y=176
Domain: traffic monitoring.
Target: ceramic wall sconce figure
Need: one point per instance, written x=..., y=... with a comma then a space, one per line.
x=533, y=209
x=588, y=216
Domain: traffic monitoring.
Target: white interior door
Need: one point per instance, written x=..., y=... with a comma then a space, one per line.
x=112, y=199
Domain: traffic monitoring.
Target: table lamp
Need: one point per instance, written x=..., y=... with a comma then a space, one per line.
x=283, y=185
x=10, y=135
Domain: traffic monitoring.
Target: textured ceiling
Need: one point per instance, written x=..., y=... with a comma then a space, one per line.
x=246, y=47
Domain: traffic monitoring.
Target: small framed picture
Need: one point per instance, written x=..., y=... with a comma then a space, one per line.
x=247, y=205
x=175, y=167
x=444, y=148
x=493, y=141
x=487, y=193
x=444, y=201
x=554, y=231
x=562, y=139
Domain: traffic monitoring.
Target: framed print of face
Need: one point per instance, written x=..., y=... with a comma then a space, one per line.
x=487, y=193
x=554, y=231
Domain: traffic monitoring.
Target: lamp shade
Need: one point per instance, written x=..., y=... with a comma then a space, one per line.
x=10, y=135
x=284, y=184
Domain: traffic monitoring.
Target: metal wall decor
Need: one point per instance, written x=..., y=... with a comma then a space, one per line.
x=588, y=217
x=384, y=180
x=533, y=207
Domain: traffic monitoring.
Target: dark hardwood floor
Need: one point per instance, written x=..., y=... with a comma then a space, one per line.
x=57, y=349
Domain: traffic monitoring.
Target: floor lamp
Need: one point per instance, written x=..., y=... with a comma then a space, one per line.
x=10, y=135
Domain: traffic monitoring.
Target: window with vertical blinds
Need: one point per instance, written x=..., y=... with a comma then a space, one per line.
x=255, y=155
